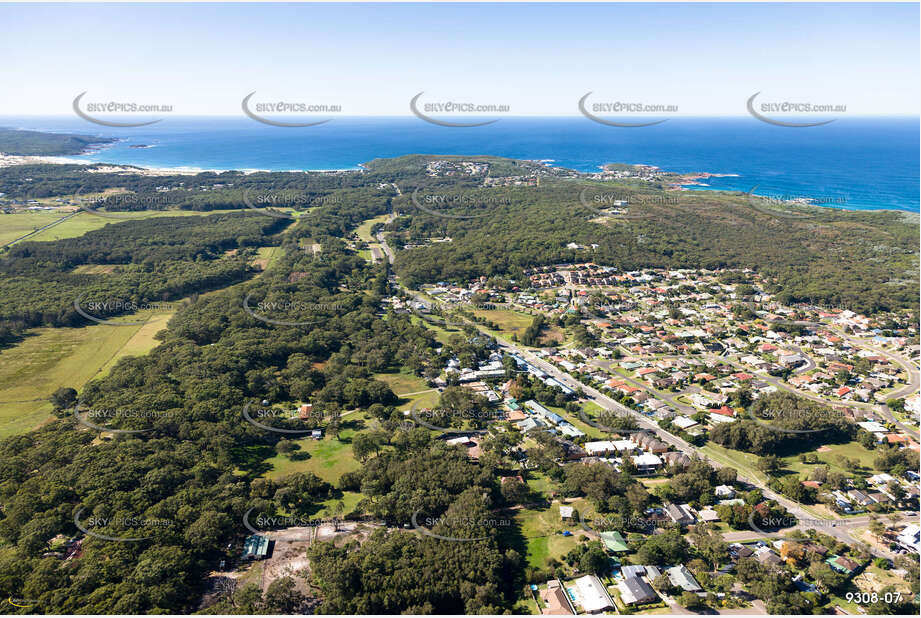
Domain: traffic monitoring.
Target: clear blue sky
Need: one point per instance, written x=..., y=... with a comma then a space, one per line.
x=538, y=58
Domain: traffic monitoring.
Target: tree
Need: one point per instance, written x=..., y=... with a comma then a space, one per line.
x=594, y=560
x=877, y=528
x=769, y=464
x=690, y=600
x=663, y=584
x=63, y=398
x=283, y=597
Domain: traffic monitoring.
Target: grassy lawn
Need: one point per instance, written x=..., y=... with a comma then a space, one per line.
x=743, y=462
x=267, y=256
x=578, y=423
x=15, y=225
x=442, y=333
x=328, y=458
x=403, y=382
x=541, y=530
x=49, y=358
x=141, y=342
x=851, y=450
x=508, y=321
x=539, y=483
x=349, y=498
x=364, y=230
x=95, y=269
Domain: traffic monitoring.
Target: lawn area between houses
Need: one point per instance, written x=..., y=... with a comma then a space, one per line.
x=591, y=433
x=541, y=528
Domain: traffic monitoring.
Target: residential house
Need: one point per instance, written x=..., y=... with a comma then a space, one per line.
x=591, y=595
x=680, y=577
x=636, y=591
x=679, y=514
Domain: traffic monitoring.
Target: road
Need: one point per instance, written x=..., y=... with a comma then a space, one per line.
x=644, y=422
x=44, y=227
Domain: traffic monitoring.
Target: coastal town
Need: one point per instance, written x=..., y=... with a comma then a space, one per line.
x=643, y=372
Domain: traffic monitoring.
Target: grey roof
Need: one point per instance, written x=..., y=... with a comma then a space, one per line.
x=633, y=570
x=640, y=590
x=681, y=577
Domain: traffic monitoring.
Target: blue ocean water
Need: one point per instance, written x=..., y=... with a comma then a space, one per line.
x=855, y=163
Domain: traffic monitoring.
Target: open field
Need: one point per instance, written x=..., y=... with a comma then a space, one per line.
x=743, y=462
x=328, y=458
x=541, y=528
x=851, y=450
x=442, y=333
x=16, y=225
x=403, y=382
x=49, y=358
x=350, y=500
x=363, y=231
x=508, y=321
x=267, y=256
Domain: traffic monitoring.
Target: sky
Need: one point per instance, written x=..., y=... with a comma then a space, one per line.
x=538, y=59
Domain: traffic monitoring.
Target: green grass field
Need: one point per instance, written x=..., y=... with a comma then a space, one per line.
x=851, y=450
x=15, y=225
x=541, y=529
x=442, y=333
x=329, y=458
x=508, y=321
x=403, y=382
x=364, y=230
x=49, y=358
x=267, y=256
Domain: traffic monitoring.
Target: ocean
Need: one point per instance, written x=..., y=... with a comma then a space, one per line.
x=854, y=163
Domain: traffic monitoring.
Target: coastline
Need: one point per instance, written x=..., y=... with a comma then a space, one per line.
x=683, y=181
